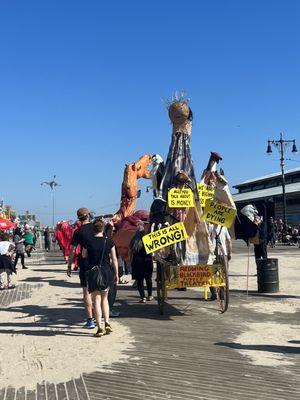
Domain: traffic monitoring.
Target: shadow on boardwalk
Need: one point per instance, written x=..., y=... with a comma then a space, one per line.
x=262, y=347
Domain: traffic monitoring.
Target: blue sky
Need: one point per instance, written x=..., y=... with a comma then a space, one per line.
x=81, y=85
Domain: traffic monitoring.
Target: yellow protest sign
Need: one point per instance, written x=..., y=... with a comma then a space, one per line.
x=180, y=198
x=164, y=237
x=195, y=275
x=206, y=192
x=219, y=214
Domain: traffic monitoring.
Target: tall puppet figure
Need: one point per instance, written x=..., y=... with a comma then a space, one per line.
x=179, y=172
x=179, y=164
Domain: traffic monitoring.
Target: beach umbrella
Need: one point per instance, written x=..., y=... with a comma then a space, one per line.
x=6, y=224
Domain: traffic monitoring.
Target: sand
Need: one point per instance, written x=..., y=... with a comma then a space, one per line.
x=268, y=344
x=42, y=338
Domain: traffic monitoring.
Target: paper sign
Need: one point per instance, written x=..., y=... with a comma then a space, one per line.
x=219, y=214
x=195, y=275
x=164, y=237
x=206, y=192
x=180, y=198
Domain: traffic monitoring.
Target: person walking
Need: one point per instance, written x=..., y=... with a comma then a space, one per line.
x=47, y=238
x=141, y=264
x=221, y=234
x=271, y=232
x=100, y=252
x=79, y=238
x=260, y=249
x=19, y=244
x=6, y=265
x=29, y=240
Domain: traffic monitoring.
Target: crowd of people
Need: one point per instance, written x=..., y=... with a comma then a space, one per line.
x=88, y=247
x=276, y=233
x=13, y=248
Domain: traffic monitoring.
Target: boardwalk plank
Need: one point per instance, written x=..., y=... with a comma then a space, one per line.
x=10, y=393
x=41, y=391
x=61, y=392
x=71, y=390
x=20, y=395
x=31, y=395
x=51, y=392
x=81, y=390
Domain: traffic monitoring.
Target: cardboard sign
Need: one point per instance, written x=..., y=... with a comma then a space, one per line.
x=164, y=237
x=180, y=198
x=195, y=275
x=219, y=214
x=206, y=192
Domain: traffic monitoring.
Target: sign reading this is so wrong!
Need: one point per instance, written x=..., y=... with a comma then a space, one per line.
x=164, y=237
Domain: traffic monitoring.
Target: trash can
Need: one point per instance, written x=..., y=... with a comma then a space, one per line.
x=267, y=275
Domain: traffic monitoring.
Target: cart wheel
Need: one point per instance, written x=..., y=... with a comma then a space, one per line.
x=160, y=287
x=223, y=291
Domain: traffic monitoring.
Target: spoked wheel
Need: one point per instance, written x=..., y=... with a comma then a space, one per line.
x=160, y=287
x=223, y=291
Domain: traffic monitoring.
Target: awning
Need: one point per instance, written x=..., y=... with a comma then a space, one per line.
x=6, y=224
x=265, y=193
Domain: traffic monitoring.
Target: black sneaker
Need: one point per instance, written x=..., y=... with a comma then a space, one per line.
x=99, y=333
x=108, y=328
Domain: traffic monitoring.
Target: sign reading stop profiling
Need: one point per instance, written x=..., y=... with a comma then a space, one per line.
x=219, y=214
x=164, y=237
x=180, y=198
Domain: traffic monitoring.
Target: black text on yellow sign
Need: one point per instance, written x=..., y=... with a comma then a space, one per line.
x=180, y=198
x=219, y=214
x=164, y=237
x=206, y=192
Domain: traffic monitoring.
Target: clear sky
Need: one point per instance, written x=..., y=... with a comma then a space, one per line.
x=81, y=84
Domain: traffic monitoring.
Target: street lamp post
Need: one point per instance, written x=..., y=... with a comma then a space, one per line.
x=281, y=146
x=52, y=184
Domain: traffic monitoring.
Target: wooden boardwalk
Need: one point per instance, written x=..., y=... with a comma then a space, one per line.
x=187, y=354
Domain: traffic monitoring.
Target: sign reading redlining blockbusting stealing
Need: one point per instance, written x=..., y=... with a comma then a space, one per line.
x=164, y=237
x=195, y=275
x=180, y=198
x=219, y=214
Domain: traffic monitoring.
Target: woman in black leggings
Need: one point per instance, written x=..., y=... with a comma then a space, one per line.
x=19, y=243
x=141, y=264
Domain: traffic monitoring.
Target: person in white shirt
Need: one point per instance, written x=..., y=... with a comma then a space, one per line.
x=6, y=265
x=221, y=233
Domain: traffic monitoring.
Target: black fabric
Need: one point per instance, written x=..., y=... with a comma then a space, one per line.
x=47, y=244
x=99, y=278
x=140, y=286
x=260, y=251
x=141, y=265
x=112, y=294
x=179, y=159
x=82, y=234
x=22, y=257
x=244, y=228
x=94, y=246
x=82, y=277
x=6, y=263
